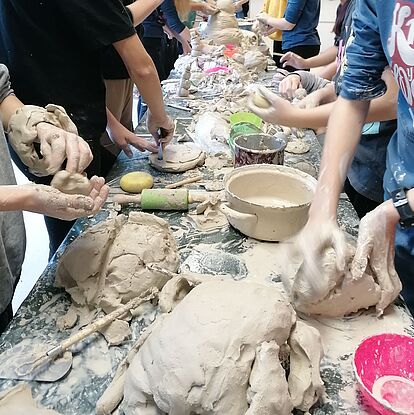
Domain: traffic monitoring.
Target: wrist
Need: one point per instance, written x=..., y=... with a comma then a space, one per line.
x=16, y=197
x=390, y=211
x=410, y=198
x=402, y=204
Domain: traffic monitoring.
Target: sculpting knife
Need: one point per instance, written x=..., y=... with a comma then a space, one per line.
x=162, y=133
x=179, y=107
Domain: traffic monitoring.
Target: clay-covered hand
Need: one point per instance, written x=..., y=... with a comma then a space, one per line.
x=375, y=250
x=279, y=111
x=125, y=138
x=312, y=100
x=51, y=202
x=208, y=9
x=263, y=18
x=289, y=85
x=294, y=60
x=161, y=130
x=256, y=27
x=309, y=245
x=57, y=145
x=237, y=5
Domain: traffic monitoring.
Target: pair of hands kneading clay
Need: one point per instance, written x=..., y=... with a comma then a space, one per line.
x=336, y=279
x=72, y=195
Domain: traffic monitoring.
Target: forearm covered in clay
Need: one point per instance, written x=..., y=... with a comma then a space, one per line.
x=14, y=198
x=310, y=81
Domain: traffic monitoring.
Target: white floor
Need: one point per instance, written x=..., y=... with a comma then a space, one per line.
x=37, y=238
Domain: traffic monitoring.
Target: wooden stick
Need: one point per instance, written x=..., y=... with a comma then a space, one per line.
x=83, y=333
x=278, y=54
x=109, y=318
x=183, y=182
x=123, y=199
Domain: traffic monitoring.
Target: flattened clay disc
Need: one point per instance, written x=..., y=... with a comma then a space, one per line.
x=178, y=158
x=297, y=146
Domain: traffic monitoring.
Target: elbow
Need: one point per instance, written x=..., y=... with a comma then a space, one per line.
x=143, y=71
x=288, y=26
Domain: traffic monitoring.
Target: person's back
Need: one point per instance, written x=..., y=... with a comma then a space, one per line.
x=52, y=49
x=383, y=37
x=305, y=14
x=364, y=184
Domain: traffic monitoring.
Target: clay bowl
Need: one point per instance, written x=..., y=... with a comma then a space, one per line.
x=268, y=202
x=384, y=368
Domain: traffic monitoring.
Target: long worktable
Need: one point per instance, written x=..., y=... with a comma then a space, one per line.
x=220, y=251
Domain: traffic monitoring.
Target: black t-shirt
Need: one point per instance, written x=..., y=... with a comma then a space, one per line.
x=112, y=65
x=53, y=50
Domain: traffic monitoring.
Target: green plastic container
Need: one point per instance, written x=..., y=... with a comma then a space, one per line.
x=243, y=117
x=242, y=128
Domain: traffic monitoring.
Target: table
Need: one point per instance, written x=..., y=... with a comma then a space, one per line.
x=222, y=251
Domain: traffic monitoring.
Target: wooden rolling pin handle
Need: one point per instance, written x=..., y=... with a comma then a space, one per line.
x=104, y=321
x=125, y=199
x=183, y=182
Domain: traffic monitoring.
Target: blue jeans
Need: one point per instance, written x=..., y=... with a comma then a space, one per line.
x=404, y=263
x=240, y=14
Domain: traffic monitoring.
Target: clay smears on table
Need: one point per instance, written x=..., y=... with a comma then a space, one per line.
x=19, y=401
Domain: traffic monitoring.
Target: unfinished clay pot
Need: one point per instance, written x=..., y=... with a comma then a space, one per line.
x=268, y=202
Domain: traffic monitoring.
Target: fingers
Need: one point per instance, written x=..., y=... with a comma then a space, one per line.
x=269, y=95
x=142, y=144
x=127, y=150
x=167, y=130
x=263, y=113
x=289, y=85
x=152, y=147
x=73, y=153
x=86, y=155
x=362, y=253
x=99, y=193
x=340, y=246
x=97, y=184
x=286, y=57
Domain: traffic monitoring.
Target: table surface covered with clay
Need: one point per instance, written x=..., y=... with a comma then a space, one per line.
x=220, y=251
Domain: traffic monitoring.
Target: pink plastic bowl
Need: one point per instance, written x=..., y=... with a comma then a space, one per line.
x=387, y=355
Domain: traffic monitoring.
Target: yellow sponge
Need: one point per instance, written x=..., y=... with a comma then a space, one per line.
x=136, y=182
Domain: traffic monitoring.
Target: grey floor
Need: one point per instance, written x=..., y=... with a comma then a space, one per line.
x=37, y=238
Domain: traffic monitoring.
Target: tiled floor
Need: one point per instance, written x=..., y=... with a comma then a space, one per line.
x=37, y=238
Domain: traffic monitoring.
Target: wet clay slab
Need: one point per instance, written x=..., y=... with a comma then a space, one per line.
x=178, y=158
